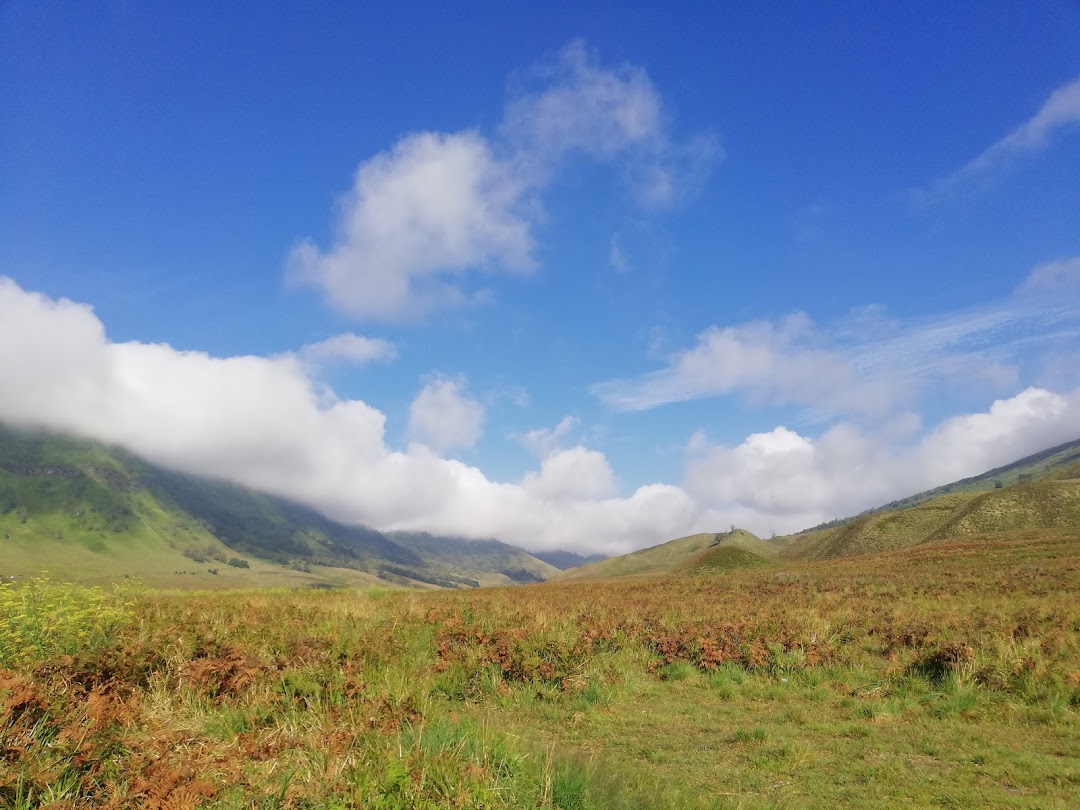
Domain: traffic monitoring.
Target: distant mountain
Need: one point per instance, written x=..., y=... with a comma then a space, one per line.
x=478, y=556
x=86, y=511
x=567, y=559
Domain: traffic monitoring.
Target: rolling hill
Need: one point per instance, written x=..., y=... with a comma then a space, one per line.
x=668, y=557
x=1037, y=493
x=722, y=558
x=81, y=510
x=1060, y=462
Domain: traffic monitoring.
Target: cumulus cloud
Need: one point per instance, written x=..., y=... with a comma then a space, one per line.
x=419, y=215
x=443, y=417
x=782, y=481
x=1060, y=111
x=577, y=473
x=263, y=422
x=347, y=348
x=424, y=216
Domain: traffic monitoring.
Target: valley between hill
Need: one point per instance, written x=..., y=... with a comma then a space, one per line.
x=927, y=655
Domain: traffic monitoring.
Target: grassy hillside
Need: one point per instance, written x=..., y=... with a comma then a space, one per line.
x=944, y=675
x=567, y=559
x=666, y=558
x=1041, y=491
x=83, y=511
x=1056, y=463
x=721, y=559
x=502, y=564
x=1047, y=504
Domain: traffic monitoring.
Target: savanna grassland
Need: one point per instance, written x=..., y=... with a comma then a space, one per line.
x=941, y=675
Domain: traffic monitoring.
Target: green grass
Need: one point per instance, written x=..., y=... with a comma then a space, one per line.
x=722, y=559
x=675, y=555
x=944, y=675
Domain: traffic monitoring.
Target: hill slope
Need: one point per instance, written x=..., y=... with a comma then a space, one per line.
x=1046, y=504
x=1057, y=463
x=666, y=558
x=81, y=510
x=1041, y=491
x=721, y=559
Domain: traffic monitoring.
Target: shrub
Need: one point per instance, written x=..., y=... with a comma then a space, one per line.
x=41, y=619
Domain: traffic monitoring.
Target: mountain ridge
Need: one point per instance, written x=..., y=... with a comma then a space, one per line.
x=79, y=507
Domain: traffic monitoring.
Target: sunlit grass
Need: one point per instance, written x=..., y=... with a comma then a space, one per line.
x=942, y=676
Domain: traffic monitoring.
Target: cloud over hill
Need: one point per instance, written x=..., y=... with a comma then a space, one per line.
x=266, y=422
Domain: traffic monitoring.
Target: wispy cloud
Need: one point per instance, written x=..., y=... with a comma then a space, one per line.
x=773, y=362
x=1060, y=275
x=869, y=364
x=1060, y=111
x=542, y=442
x=347, y=348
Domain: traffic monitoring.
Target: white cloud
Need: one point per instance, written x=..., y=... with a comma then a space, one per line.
x=348, y=348
x=1053, y=277
x=583, y=107
x=1060, y=111
x=775, y=363
x=443, y=418
x=781, y=481
x=542, y=442
x=434, y=207
x=868, y=364
x=426, y=215
x=970, y=444
x=577, y=474
x=263, y=422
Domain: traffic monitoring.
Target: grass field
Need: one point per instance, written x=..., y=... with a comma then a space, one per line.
x=944, y=675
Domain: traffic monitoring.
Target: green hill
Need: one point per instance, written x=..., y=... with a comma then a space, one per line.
x=721, y=559
x=1057, y=463
x=1041, y=491
x=489, y=560
x=668, y=557
x=1047, y=504
x=80, y=510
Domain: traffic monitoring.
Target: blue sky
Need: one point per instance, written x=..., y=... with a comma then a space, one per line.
x=583, y=277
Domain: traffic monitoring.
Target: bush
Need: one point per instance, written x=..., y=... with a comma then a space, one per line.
x=236, y=562
x=41, y=619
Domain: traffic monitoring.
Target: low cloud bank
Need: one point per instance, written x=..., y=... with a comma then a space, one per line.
x=266, y=422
